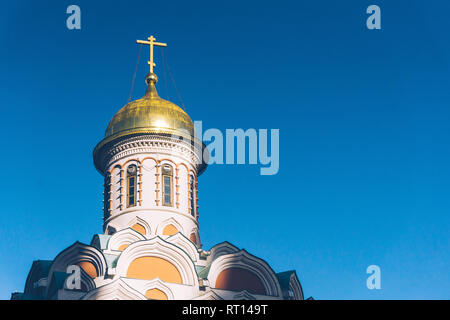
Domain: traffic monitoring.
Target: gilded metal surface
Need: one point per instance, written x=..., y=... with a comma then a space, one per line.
x=150, y=114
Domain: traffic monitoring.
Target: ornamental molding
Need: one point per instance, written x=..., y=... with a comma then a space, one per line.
x=158, y=284
x=143, y=223
x=165, y=223
x=143, y=211
x=221, y=249
x=144, y=144
x=125, y=236
x=184, y=243
x=115, y=290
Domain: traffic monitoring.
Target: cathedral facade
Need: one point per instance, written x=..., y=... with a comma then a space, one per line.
x=151, y=249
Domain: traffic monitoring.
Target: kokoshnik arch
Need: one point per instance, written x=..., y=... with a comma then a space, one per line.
x=151, y=247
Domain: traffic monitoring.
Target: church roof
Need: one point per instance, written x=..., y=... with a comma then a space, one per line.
x=150, y=114
x=284, y=278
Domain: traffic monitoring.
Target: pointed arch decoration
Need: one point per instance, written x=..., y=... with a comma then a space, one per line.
x=159, y=285
x=221, y=249
x=124, y=237
x=140, y=222
x=159, y=248
x=171, y=221
x=184, y=243
x=242, y=263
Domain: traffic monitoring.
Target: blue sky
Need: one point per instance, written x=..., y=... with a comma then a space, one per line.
x=363, y=118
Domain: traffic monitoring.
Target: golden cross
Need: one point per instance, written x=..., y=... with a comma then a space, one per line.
x=151, y=42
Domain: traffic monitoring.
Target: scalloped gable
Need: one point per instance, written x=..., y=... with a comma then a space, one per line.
x=181, y=241
x=244, y=260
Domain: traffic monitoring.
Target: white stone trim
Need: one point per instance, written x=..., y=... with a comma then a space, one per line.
x=151, y=144
x=109, y=222
x=125, y=236
x=115, y=290
x=142, y=222
x=158, y=284
x=221, y=249
x=184, y=243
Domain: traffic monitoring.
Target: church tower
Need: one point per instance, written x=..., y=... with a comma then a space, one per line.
x=151, y=161
x=150, y=247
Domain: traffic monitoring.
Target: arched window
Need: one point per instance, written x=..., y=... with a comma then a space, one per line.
x=131, y=184
x=107, y=196
x=191, y=195
x=167, y=177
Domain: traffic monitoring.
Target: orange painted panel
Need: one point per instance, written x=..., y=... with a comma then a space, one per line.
x=89, y=268
x=170, y=230
x=139, y=228
x=149, y=268
x=156, y=294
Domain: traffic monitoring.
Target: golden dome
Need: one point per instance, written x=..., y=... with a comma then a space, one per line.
x=150, y=114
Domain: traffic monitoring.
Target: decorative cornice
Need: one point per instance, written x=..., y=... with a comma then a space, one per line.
x=115, y=150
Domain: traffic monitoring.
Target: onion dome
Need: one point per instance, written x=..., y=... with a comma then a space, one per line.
x=148, y=115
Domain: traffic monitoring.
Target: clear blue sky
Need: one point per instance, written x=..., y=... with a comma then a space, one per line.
x=363, y=116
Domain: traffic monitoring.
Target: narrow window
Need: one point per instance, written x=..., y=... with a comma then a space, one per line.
x=107, y=195
x=131, y=184
x=167, y=185
x=191, y=195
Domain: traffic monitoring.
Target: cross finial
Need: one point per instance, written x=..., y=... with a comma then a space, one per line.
x=151, y=42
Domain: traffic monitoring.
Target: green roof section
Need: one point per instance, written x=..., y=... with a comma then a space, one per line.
x=100, y=241
x=111, y=260
x=203, y=273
